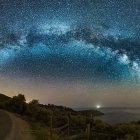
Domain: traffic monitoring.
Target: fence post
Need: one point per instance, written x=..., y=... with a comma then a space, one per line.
x=68, y=126
x=51, y=117
x=88, y=131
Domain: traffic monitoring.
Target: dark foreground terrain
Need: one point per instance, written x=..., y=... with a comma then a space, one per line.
x=13, y=127
x=5, y=124
x=51, y=122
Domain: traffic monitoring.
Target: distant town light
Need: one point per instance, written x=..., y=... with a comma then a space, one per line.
x=98, y=106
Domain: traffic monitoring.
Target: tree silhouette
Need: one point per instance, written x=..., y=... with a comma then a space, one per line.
x=18, y=104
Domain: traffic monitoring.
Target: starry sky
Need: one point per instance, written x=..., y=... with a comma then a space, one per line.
x=78, y=53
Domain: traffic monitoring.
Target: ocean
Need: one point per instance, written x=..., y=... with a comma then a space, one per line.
x=120, y=115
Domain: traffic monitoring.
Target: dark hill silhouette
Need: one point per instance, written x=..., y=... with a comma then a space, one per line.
x=4, y=98
x=52, y=122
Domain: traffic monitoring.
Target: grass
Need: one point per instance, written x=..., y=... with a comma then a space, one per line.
x=39, y=131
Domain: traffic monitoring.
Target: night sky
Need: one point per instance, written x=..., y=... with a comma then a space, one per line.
x=78, y=53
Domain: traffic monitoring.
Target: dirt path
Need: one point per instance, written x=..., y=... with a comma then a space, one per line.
x=20, y=129
x=5, y=124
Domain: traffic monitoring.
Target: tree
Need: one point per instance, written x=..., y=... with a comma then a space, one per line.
x=33, y=108
x=18, y=104
x=34, y=102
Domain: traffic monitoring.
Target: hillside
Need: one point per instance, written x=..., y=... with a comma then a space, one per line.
x=4, y=98
x=63, y=123
x=57, y=109
x=90, y=112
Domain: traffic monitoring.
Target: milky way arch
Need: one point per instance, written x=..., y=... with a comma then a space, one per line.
x=60, y=51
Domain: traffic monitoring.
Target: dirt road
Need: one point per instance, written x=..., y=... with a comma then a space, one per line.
x=5, y=124
x=20, y=129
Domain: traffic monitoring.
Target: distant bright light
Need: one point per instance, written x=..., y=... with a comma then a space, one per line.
x=98, y=106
